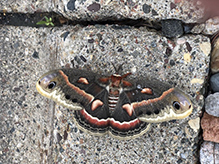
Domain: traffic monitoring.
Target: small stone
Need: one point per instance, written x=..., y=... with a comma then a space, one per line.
x=212, y=104
x=168, y=51
x=146, y=8
x=197, y=29
x=153, y=44
x=81, y=141
x=90, y=40
x=166, y=61
x=58, y=137
x=120, y=49
x=191, y=68
x=209, y=153
x=172, y=5
x=71, y=5
x=58, y=114
x=181, y=41
x=205, y=47
x=83, y=58
x=172, y=28
x=94, y=7
x=172, y=62
x=67, y=65
x=188, y=134
x=184, y=155
x=65, y=35
x=214, y=82
x=77, y=59
x=98, y=149
x=194, y=124
x=16, y=45
x=61, y=149
x=210, y=126
x=196, y=80
x=133, y=70
x=65, y=135
x=12, y=130
x=189, y=48
x=35, y=55
x=187, y=57
x=154, y=13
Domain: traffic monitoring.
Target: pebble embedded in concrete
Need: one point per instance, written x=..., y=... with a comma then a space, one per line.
x=212, y=104
x=209, y=153
x=214, y=83
x=210, y=127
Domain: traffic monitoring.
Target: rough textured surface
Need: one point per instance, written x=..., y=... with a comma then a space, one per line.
x=214, y=83
x=210, y=126
x=25, y=124
x=187, y=11
x=212, y=104
x=26, y=6
x=34, y=130
x=209, y=153
x=153, y=10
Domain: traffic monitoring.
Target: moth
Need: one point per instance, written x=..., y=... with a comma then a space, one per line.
x=117, y=105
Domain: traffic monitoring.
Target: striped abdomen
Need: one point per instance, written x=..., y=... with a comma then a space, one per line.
x=113, y=99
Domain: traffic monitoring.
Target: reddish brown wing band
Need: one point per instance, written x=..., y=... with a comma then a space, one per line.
x=117, y=105
x=120, y=130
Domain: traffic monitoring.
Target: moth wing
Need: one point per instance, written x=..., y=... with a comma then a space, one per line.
x=154, y=101
x=71, y=88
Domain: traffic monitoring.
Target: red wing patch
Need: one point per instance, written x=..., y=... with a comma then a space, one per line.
x=96, y=104
x=83, y=80
x=128, y=109
x=147, y=91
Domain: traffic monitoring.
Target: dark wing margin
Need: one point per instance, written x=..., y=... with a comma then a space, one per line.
x=99, y=127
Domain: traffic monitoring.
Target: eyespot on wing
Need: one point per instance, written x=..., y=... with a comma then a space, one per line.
x=47, y=83
x=181, y=104
x=177, y=106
